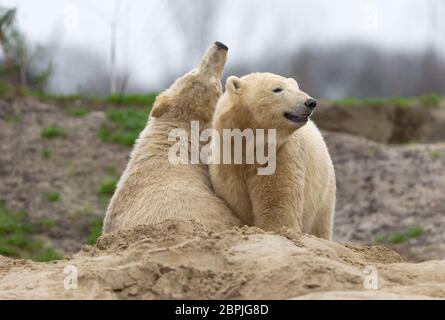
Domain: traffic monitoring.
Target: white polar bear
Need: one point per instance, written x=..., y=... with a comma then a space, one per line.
x=301, y=191
x=152, y=188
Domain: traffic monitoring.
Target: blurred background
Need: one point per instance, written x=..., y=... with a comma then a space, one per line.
x=78, y=78
x=344, y=48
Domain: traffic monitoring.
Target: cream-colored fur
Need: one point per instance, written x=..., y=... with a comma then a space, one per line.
x=301, y=192
x=152, y=189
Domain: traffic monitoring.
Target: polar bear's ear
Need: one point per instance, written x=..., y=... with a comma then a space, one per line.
x=234, y=84
x=160, y=107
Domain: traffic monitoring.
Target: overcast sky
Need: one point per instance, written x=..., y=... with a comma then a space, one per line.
x=148, y=38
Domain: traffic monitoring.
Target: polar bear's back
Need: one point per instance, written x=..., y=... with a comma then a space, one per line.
x=158, y=193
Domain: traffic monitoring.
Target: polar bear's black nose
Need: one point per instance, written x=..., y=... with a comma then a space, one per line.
x=310, y=103
x=221, y=45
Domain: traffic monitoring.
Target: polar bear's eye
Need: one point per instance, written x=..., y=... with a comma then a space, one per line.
x=277, y=90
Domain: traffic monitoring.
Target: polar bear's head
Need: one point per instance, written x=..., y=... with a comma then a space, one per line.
x=270, y=101
x=194, y=95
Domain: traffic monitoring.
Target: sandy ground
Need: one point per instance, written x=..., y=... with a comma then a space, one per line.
x=183, y=260
x=387, y=189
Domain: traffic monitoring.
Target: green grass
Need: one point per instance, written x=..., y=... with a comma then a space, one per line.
x=46, y=153
x=79, y=214
x=132, y=99
x=17, y=239
x=401, y=237
x=6, y=90
x=436, y=154
x=77, y=112
x=95, y=231
x=117, y=99
x=52, y=132
x=109, y=183
x=9, y=91
x=52, y=196
x=47, y=254
x=431, y=100
x=13, y=118
x=124, y=126
x=47, y=223
x=424, y=101
x=108, y=186
x=110, y=171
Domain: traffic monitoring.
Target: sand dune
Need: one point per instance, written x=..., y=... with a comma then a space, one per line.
x=183, y=260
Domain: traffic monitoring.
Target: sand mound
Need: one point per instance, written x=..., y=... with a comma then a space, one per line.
x=183, y=260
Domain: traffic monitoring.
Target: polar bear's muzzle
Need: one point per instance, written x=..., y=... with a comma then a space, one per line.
x=296, y=118
x=302, y=114
x=213, y=61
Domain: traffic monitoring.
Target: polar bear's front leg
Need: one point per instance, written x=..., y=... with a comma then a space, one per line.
x=277, y=199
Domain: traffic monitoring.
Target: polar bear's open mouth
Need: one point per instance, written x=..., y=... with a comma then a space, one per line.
x=295, y=118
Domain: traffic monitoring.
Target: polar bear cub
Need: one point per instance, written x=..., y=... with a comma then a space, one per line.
x=300, y=192
x=152, y=188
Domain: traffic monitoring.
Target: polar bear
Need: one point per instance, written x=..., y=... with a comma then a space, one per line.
x=300, y=192
x=152, y=188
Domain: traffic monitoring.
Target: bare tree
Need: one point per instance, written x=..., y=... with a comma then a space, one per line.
x=436, y=11
x=113, y=47
x=113, y=23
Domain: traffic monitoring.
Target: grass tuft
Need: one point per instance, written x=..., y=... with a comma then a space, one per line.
x=108, y=186
x=77, y=112
x=124, y=126
x=47, y=223
x=401, y=237
x=52, y=196
x=436, y=154
x=16, y=238
x=47, y=254
x=95, y=231
x=46, y=153
x=52, y=132
x=132, y=99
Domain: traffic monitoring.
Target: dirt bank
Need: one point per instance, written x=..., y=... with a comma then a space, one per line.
x=393, y=124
